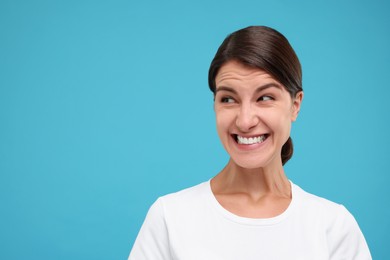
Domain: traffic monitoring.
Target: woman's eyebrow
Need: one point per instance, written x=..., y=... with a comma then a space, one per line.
x=223, y=88
x=269, y=85
x=259, y=89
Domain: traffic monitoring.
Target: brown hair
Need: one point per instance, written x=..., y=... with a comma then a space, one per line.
x=266, y=49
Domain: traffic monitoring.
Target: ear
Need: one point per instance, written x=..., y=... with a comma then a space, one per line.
x=214, y=102
x=296, y=105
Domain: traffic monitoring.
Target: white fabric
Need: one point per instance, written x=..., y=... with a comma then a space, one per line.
x=192, y=225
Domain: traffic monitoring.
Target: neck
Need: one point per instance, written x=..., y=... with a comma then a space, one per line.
x=256, y=183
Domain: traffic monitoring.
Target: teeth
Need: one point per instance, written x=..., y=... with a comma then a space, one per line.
x=250, y=140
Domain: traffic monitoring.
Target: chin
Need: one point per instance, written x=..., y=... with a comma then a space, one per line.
x=250, y=163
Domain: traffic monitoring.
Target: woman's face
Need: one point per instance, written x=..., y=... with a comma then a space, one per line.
x=254, y=114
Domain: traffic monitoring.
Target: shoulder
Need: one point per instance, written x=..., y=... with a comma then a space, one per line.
x=171, y=210
x=181, y=201
x=331, y=214
x=187, y=193
x=343, y=235
x=193, y=193
x=319, y=204
x=167, y=215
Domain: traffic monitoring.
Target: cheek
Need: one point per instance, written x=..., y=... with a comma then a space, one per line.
x=220, y=121
x=223, y=121
x=280, y=121
x=285, y=126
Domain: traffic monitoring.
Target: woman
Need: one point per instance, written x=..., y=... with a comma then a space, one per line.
x=250, y=210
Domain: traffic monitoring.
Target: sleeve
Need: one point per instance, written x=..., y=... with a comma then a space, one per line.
x=152, y=242
x=345, y=239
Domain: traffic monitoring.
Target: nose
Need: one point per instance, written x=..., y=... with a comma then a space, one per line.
x=246, y=118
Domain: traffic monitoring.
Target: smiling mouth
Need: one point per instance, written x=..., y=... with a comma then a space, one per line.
x=250, y=140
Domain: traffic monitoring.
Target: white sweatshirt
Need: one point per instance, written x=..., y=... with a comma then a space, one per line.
x=192, y=225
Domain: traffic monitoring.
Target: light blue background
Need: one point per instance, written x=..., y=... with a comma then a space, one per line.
x=104, y=106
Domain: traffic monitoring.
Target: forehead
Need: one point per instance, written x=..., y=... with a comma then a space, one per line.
x=234, y=70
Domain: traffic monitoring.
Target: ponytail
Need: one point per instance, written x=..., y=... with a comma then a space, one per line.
x=287, y=151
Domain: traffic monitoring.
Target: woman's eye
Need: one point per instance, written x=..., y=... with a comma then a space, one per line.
x=265, y=98
x=227, y=100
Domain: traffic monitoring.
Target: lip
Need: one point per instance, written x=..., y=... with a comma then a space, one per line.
x=249, y=136
x=248, y=147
